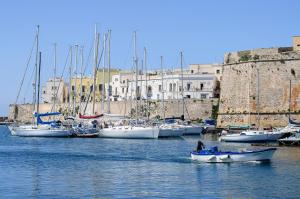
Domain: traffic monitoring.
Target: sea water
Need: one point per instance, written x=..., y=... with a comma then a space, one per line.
x=124, y=168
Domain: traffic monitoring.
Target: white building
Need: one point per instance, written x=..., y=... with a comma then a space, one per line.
x=54, y=89
x=196, y=86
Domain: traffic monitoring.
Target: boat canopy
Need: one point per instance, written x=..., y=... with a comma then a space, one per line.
x=40, y=121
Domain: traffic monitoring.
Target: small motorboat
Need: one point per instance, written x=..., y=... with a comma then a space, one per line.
x=214, y=155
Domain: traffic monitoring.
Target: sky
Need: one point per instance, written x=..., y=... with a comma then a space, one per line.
x=203, y=30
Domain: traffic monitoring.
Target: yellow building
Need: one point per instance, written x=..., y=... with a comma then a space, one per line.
x=85, y=92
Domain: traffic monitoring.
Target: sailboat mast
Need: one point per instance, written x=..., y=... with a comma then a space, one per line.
x=162, y=88
x=39, y=83
x=109, y=87
x=146, y=76
x=70, y=74
x=75, y=84
x=95, y=67
x=54, y=86
x=290, y=96
x=103, y=74
x=136, y=76
x=36, y=68
x=81, y=76
x=258, y=102
x=182, y=92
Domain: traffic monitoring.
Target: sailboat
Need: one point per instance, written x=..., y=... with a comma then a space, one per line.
x=189, y=129
x=40, y=128
x=125, y=129
x=167, y=129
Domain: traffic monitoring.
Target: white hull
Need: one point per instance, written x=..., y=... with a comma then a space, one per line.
x=33, y=131
x=252, y=136
x=170, y=132
x=263, y=155
x=192, y=130
x=130, y=132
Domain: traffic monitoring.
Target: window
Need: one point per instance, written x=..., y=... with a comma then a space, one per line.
x=218, y=71
x=123, y=81
x=188, y=86
x=83, y=89
x=192, y=71
x=159, y=88
x=91, y=88
x=201, y=86
x=170, y=87
x=100, y=87
x=44, y=92
x=203, y=96
x=174, y=87
x=123, y=90
x=116, y=91
x=73, y=88
x=180, y=88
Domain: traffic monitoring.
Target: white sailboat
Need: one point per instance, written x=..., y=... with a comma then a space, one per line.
x=40, y=128
x=129, y=131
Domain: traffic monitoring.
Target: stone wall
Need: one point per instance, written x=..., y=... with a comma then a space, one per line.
x=194, y=109
x=261, y=87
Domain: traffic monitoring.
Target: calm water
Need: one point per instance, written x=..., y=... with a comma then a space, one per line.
x=111, y=168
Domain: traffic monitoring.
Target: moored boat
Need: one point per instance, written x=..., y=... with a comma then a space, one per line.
x=170, y=130
x=213, y=155
x=252, y=136
x=130, y=132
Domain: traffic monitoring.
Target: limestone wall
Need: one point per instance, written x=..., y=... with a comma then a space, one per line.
x=260, y=87
x=194, y=109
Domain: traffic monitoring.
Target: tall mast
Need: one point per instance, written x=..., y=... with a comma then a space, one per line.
x=162, y=88
x=81, y=76
x=249, y=96
x=136, y=76
x=103, y=75
x=36, y=68
x=75, y=84
x=258, y=105
x=70, y=85
x=109, y=87
x=182, y=92
x=290, y=96
x=54, y=86
x=39, y=83
x=146, y=76
x=95, y=67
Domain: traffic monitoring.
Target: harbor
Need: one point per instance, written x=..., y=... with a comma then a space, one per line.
x=160, y=99
x=98, y=168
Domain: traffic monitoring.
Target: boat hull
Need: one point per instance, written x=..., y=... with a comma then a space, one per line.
x=130, y=132
x=227, y=157
x=192, y=130
x=251, y=138
x=31, y=132
x=170, y=132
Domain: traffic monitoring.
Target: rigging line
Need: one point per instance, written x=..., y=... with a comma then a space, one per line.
x=62, y=74
x=88, y=58
x=27, y=66
x=29, y=82
x=98, y=64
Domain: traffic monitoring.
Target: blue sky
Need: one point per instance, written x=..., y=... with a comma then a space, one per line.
x=203, y=30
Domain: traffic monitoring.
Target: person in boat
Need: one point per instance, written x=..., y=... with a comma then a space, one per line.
x=200, y=146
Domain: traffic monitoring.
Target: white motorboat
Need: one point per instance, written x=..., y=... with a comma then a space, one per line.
x=40, y=131
x=130, y=132
x=252, y=136
x=293, y=140
x=213, y=155
x=170, y=130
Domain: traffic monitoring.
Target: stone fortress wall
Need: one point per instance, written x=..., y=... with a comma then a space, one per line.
x=255, y=87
